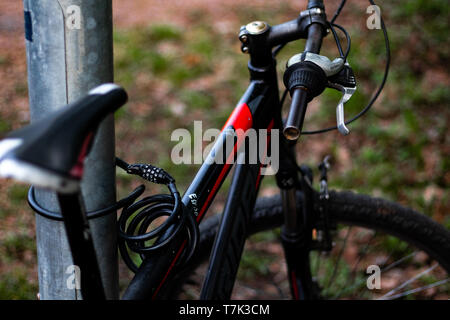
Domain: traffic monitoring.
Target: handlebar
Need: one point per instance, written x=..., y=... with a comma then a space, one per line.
x=316, y=4
x=308, y=73
x=302, y=80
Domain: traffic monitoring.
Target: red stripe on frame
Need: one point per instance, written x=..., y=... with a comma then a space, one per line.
x=240, y=118
x=170, y=269
x=222, y=174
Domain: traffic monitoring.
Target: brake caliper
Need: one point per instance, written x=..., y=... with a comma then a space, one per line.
x=322, y=239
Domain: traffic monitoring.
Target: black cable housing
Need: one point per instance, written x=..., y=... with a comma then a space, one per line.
x=136, y=193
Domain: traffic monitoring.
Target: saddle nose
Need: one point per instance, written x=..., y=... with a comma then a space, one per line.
x=50, y=153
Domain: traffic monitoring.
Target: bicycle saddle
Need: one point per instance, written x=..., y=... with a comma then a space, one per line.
x=50, y=152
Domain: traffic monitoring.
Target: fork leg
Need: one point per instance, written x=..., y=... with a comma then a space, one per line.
x=81, y=244
x=295, y=236
x=296, y=250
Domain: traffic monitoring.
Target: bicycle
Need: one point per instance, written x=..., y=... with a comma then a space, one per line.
x=40, y=155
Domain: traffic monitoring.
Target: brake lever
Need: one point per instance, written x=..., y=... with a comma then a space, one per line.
x=345, y=82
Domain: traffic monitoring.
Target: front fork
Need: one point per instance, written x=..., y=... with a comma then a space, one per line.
x=297, y=228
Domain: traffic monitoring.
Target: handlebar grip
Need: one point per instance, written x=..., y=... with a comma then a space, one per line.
x=296, y=116
x=304, y=80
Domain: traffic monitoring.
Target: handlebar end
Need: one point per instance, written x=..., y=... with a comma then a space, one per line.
x=291, y=133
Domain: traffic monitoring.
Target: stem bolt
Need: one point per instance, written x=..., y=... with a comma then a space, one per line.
x=257, y=27
x=244, y=38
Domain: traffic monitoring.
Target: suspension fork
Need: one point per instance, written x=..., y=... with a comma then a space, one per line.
x=296, y=230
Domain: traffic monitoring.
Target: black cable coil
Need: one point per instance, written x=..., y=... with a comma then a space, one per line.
x=136, y=218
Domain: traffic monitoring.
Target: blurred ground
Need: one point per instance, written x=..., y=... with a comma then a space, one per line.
x=180, y=61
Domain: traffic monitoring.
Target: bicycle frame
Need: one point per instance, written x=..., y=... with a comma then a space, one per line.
x=259, y=108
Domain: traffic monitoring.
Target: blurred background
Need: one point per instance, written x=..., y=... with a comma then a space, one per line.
x=180, y=61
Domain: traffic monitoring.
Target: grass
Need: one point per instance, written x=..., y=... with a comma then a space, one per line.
x=16, y=285
x=4, y=126
x=17, y=194
x=254, y=265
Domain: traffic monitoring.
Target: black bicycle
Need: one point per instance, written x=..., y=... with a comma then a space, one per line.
x=330, y=239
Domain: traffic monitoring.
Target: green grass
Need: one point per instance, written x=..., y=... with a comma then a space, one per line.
x=196, y=99
x=254, y=264
x=15, y=285
x=18, y=194
x=5, y=126
x=14, y=246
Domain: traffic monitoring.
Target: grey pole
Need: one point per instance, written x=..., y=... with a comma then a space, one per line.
x=69, y=52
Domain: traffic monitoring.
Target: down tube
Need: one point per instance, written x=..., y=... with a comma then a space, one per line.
x=232, y=233
x=256, y=109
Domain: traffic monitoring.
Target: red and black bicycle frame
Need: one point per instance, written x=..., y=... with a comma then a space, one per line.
x=259, y=108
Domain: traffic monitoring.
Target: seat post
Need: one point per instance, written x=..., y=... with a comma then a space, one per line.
x=86, y=269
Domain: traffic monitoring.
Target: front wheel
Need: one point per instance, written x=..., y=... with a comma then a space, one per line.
x=381, y=250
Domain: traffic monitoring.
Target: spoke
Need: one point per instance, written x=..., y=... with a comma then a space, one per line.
x=404, y=284
x=361, y=256
x=387, y=259
x=360, y=283
x=435, y=284
x=280, y=292
x=353, y=273
x=396, y=263
x=336, y=266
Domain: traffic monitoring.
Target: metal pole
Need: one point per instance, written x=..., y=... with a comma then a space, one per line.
x=69, y=52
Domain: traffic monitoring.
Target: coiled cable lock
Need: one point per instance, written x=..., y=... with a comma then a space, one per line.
x=136, y=217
